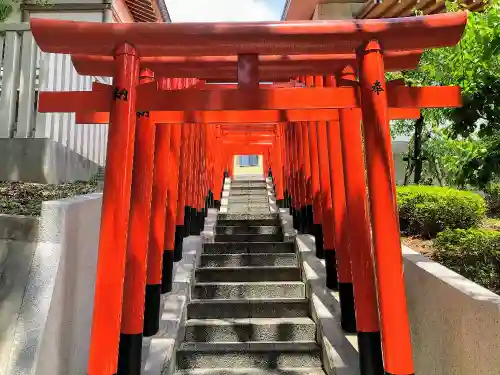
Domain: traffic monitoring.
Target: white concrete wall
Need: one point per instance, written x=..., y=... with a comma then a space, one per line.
x=455, y=323
x=333, y=11
x=52, y=331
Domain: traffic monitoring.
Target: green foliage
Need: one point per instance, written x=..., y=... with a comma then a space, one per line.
x=7, y=6
x=428, y=210
x=493, y=199
x=469, y=134
x=473, y=253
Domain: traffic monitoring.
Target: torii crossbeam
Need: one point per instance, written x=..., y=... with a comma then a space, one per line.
x=130, y=45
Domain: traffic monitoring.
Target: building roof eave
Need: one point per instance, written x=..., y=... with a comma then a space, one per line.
x=164, y=11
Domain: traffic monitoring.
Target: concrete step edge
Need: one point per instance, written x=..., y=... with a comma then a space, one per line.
x=253, y=371
x=251, y=346
x=246, y=321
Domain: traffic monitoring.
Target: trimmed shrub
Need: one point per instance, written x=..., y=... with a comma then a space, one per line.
x=493, y=199
x=428, y=210
x=473, y=253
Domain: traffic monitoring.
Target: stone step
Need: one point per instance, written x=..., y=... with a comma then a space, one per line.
x=276, y=237
x=250, y=229
x=249, y=223
x=250, y=208
x=272, y=289
x=248, y=199
x=239, y=210
x=237, y=184
x=254, y=371
x=247, y=217
x=246, y=247
x=249, y=193
x=247, y=274
x=248, y=204
x=248, y=308
x=248, y=260
x=248, y=189
x=250, y=329
x=263, y=355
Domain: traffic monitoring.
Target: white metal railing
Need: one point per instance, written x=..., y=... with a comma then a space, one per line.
x=25, y=71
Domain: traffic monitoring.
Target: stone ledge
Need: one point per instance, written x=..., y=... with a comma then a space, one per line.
x=455, y=323
x=159, y=352
x=340, y=351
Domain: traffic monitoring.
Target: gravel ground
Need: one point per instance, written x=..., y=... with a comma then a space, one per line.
x=24, y=198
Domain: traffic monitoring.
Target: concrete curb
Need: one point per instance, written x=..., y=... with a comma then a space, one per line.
x=339, y=351
x=159, y=352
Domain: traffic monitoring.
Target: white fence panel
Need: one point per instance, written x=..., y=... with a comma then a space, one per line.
x=25, y=71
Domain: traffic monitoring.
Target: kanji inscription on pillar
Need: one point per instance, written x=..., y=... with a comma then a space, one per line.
x=377, y=87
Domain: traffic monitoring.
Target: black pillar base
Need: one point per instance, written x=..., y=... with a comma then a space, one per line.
x=152, y=304
x=331, y=269
x=370, y=353
x=193, y=218
x=303, y=219
x=280, y=203
x=347, y=311
x=309, y=213
x=295, y=217
x=226, y=174
x=269, y=173
x=318, y=239
x=217, y=204
x=201, y=221
x=187, y=216
x=290, y=207
x=130, y=354
x=167, y=271
x=179, y=239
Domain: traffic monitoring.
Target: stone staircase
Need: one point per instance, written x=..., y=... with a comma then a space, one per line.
x=249, y=314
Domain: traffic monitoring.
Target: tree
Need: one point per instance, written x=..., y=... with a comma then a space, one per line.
x=470, y=134
x=7, y=6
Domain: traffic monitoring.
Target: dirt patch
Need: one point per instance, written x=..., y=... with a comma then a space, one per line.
x=24, y=198
x=418, y=244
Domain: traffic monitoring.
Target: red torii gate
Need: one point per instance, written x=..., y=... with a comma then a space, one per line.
x=265, y=38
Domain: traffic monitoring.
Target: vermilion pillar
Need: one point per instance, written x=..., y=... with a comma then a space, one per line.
x=189, y=181
x=337, y=182
x=308, y=182
x=157, y=230
x=108, y=296
x=130, y=349
x=315, y=189
x=181, y=197
x=171, y=214
x=296, y=177
x=301, y=177
x=395, y=329
x=278, y=170
x=359, y=237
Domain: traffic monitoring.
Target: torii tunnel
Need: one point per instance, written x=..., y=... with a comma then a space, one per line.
x=187, y=98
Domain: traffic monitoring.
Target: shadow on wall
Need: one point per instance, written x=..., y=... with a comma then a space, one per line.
x=42, y=160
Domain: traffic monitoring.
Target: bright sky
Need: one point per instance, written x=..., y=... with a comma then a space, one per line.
x=224, y=10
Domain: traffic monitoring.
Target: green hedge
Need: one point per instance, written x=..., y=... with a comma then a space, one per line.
x=473, y=253
x=493, y=199
x=428, y=210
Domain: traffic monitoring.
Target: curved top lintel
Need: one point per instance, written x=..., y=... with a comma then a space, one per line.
x=266, y=38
